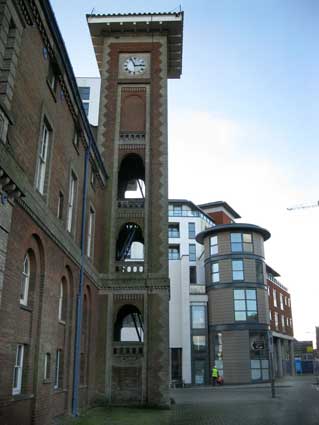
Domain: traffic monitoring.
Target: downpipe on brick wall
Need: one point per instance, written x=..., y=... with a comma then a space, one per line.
x=79, y=296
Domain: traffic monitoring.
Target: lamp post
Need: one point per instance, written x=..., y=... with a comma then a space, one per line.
x=271, y=364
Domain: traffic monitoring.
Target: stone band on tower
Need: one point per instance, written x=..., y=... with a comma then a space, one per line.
x=136, y=54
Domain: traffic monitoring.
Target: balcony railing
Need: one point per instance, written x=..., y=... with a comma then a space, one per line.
x=276, y=282
x=128, y=348
x=197, y=289
x=130, y=203
x=129, y=266
x=128, y=137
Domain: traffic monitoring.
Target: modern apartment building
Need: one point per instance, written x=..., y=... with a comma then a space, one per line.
x=281, y=325
x=188, y=302
x=219, y=303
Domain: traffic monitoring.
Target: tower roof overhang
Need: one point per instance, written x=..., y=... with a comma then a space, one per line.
x=171, y=24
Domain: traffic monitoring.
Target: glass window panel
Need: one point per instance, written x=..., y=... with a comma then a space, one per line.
x=251, y=294
x=199, y=342
x=237, y=265
x=265, y=374
x=251, y=305
x=215, y=277
x=191, y=230
x=240, y=315
x=198, y=317
x=239, y=294
x=214, y=249
x=235, y=237
x=213, y=240
x=252, y=315
x=238, y=275
x=219, y=364
x=236, y=247
x=199, y=366
x=255, y=374
x=240, y=305
x=265, y=364
x=255, y=364
x=84, y=93
x=248, y=247
x=192, y=252
x=215, y=267
x=86, y=108
x=247, y=237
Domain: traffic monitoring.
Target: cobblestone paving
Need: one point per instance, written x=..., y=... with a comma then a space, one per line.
x=296, y=403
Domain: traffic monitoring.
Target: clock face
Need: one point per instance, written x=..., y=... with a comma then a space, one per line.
x=134, y=65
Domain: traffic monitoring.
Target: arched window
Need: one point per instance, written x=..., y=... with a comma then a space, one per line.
x=25, y=281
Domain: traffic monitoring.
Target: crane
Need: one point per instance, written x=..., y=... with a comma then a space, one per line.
x=303, y=206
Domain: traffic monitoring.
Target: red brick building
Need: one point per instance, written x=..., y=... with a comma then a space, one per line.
x=281, y=325
x=51, y=184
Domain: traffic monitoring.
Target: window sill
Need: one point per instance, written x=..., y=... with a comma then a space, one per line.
x=26, y=308
x=47, y=381
x=62, y=322
x=59, y=390
x=52, y=91
x=18, y=397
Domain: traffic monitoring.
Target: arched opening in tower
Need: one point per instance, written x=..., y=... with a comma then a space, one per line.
x=129, y=325
x=131, y=178
x=130, y=243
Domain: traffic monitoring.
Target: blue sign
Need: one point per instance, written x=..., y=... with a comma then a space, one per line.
x=298, y=366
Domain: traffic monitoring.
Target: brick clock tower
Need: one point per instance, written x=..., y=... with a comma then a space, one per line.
x=136, y=54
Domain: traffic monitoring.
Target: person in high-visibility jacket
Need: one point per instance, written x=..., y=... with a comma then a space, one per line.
x=215, y=375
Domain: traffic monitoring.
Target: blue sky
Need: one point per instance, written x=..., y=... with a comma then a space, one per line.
x=243, y=119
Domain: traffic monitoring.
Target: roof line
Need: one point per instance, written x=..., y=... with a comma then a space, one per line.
x=56, y=33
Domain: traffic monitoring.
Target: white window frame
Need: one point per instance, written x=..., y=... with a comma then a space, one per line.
x=238, y=271
x=215, y=273
x=25, y=281
x=283, y=327
x=57, y=369
x=71, y=201
x=276, y=320
x=43, y=158
x=274, y=294
x=18, y=369
x=192, y=254
x=61, y=300
x=90, y=234
x=47, y=366
x=213, y=246
x=281, y=298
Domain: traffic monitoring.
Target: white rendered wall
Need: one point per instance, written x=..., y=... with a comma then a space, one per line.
x=94, y=101
x=180, y=302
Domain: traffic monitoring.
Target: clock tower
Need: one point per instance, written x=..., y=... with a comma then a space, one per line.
x=136, y=54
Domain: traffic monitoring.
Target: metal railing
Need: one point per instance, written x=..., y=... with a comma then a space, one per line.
x=196, y=289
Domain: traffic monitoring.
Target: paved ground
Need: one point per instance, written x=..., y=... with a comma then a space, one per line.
x=296, y=403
